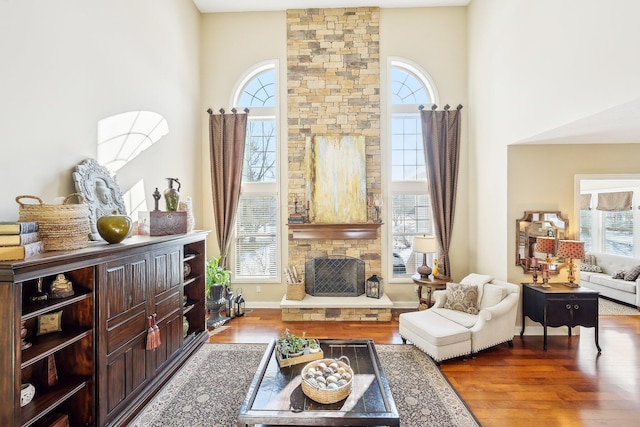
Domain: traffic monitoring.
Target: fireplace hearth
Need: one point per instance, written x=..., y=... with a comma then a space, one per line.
x=334, y=276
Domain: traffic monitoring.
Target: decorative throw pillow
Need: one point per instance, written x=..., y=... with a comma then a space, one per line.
x=633, y=274
x=590, y=268
x=619, y=274
x=462, y=298
x=492, y=295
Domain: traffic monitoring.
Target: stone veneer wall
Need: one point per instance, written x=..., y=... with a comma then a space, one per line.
x=333, y=85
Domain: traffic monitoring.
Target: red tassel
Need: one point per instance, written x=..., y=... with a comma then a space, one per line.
x=156, y=331
x=151, y=336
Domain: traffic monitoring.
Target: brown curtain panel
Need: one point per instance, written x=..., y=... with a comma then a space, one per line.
x=441, y=139
x=226, y=139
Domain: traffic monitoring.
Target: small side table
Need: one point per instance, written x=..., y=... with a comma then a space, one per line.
x=436, y=283
x=559, y=305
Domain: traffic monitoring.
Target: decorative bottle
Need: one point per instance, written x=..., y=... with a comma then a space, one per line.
x=172, y=195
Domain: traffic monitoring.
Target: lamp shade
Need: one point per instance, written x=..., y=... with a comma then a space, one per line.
x=424, y=244
x=571, y=249
x=546, y=245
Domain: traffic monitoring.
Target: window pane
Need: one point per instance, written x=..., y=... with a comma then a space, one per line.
x=256, y=228
x=408, y=151
x=259, y=153
x=411, y=216
x=618, y=233
x=259, y=91
x=406, y=88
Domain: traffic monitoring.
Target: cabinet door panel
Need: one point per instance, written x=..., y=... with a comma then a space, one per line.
x=123, y=328
x=168, y=270
x=171, y=338
x=558, y=312
x=126, y=375
x=584, y=312
x=125, y=285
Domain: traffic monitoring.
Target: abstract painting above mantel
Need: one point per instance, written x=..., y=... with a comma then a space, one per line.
x=336, y=179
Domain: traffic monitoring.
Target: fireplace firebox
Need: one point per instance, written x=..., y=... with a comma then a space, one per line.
x=334, y=276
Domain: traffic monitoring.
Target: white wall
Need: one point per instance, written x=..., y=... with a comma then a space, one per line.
x=66, y=64
x=534, y=66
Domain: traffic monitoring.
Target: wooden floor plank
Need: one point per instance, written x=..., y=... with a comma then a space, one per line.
x=569, y=385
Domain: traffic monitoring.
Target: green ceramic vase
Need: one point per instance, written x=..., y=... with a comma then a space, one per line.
x=114, y=228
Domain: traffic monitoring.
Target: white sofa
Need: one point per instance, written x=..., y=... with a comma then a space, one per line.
x=603, y=282
x=445, y=333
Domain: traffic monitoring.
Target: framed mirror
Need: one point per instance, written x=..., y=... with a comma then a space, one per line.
x=538, y=228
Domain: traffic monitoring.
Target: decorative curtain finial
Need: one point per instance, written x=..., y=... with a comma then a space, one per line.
x=446, y=107
x=420, y=107
x=221, y=111
x=246, y=110
x=210, y=111
x=433, y=107
x=459, y=107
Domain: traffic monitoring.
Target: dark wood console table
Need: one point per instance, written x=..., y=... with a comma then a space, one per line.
x=560, y=305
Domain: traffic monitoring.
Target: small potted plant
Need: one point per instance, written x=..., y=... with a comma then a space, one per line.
x=291, y=345
x=217, y=280
x=314, y=345
x=215, y=275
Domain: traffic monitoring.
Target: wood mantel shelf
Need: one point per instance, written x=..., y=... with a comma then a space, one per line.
x=335, y=231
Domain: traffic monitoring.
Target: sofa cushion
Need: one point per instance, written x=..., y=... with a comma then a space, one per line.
x=620, y=284
x=434, y=328
x=463, y=319
x=462, y=298
x=633, y=273
x=492, y=295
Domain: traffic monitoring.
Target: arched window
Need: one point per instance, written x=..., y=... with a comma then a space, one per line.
x=257, y=223
x=410, y=207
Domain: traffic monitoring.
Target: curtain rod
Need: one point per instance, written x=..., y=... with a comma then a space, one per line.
x=434, y=106
x=233, y=110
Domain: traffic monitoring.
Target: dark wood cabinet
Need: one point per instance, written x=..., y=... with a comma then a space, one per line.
x=104, y=372
x=560, y=305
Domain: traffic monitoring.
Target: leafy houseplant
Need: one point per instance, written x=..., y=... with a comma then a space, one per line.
x=215, y=275
x=291, y=345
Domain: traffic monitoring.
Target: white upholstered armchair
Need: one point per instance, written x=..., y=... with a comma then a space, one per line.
x=447, y=330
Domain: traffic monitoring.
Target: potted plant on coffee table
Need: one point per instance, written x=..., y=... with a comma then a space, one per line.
x=291, y=345
x=217, y=280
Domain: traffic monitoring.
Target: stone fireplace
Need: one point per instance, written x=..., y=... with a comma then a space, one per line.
x=333, y=86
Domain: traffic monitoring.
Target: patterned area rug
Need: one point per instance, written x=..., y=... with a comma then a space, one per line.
x=609, y=308
x=209, y=389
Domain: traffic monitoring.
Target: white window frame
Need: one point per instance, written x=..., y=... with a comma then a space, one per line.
x=263, y=188
x=402, y=187
x=598, y=244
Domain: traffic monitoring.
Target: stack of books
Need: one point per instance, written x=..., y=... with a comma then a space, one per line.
x=19, y=240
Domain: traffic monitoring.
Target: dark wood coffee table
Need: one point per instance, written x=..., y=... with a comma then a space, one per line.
x=275, y=396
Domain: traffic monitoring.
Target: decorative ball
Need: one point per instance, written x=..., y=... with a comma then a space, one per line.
x=114, y=228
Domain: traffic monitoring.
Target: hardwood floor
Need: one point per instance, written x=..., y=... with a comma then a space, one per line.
x=568, y=385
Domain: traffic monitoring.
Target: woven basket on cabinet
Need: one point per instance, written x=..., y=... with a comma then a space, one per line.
x=61, y=227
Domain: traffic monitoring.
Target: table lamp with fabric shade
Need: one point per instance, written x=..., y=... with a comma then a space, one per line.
x=546, y=245
x=571, y=249
x=424, y=245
